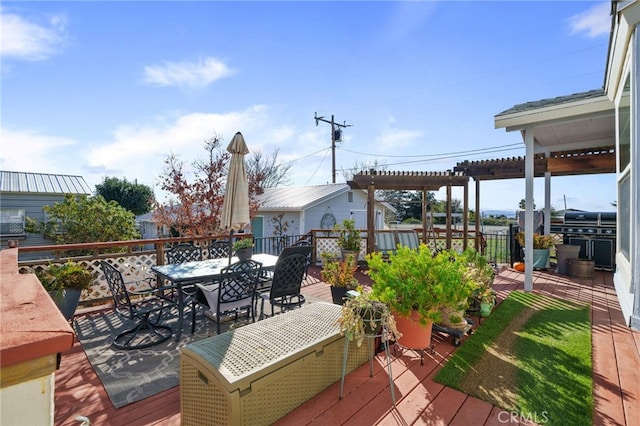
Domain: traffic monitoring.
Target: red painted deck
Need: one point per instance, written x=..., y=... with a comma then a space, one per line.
x=420, y=400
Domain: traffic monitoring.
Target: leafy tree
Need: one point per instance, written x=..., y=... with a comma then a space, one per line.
x=408, y=204
x=85, y=219
x=523, y=204
x=196, y=205
x=136, y=198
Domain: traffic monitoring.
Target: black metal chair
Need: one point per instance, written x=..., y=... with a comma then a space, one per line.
x=288, y=274
x=233, y=292
x=219, y=249
x=138, y=306
x=305, y=243
x=183, y=252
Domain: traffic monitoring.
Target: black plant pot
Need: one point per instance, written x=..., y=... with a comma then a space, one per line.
x=338, y=294
x=244, y=253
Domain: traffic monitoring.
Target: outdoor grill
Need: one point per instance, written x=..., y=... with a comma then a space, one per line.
x=594, y=232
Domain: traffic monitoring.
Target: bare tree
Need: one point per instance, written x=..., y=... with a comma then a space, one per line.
x=197, y=203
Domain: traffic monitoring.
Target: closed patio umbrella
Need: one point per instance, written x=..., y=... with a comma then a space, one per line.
x=235, y=207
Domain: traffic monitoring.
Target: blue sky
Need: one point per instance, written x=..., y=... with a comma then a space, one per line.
x=112, y=88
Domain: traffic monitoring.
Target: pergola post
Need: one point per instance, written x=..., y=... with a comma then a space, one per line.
x=371, y=217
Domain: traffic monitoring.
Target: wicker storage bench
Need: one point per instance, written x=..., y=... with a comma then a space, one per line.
x=256, y=374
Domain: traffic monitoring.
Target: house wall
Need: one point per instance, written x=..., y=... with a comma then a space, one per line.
x=272, y=222
x=625, y=64
x=33, y=204
x=342, y=206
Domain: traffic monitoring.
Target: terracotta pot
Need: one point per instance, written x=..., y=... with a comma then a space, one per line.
x=414, y=334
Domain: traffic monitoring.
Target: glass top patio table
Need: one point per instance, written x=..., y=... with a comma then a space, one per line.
x=201, y=271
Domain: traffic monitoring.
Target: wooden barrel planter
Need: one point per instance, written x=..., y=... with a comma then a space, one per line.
x=581, y=268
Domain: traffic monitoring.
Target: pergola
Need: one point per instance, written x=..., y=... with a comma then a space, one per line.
x=413, y=181
x=561, y=163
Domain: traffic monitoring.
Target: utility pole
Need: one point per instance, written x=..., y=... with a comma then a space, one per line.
x=336, y=136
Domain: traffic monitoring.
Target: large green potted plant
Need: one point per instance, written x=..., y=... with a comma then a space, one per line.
x=348, y=238
x=65, y=283
x=416, y=284
x=339, y=274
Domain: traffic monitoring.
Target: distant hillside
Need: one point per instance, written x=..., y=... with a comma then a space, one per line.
x=497, y=213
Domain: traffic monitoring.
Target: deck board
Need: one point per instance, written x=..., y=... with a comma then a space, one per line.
x=420, y=400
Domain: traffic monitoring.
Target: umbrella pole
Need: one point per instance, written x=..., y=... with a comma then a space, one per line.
x=230, y=245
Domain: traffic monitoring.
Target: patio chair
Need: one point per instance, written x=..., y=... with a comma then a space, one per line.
x=385, y=242
x=219, y=249
x=233, y=292
x=409, y=239
x=284, y=291
x=181, y=253
x=137, y=306
x=184, y=252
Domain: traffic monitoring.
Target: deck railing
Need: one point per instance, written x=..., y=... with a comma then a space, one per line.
x=135, y=258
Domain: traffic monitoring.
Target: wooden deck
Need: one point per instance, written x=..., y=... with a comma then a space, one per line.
x=420, y=400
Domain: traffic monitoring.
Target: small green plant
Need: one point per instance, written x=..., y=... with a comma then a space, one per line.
x=66, y=276
x=348, y=236
x=340, y=273
x=481, y=274
x=243, y=244
x=363, y=315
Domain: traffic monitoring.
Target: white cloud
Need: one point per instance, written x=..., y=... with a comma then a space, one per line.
x=31, y=41
x=187, y=74
x=395, y=139
x=595, y=21
x=138, y=151
x=29, y=151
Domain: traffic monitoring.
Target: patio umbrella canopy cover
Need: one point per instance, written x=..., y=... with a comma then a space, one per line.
x=235, y=207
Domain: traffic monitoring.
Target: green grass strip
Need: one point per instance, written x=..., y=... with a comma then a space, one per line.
x=553, y=351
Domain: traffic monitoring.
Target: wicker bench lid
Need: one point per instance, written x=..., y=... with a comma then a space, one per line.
x=241, y=356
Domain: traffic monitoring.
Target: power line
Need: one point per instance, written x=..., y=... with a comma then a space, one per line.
x=471, y=151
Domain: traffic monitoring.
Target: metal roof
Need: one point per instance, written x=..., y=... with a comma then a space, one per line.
x=299, y=197
x=42, y=183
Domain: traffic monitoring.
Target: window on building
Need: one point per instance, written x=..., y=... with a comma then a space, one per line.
x=624, y=126
x=12, y=222
x=350, y=197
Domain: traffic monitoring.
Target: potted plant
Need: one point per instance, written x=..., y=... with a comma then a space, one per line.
x=339, y=274
x=541, y=247
x=481, y=274
x=328, y=256
x=416, y=284
x=65, y=284
x=348, y=238
x=243, y=248
x=362, y=316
